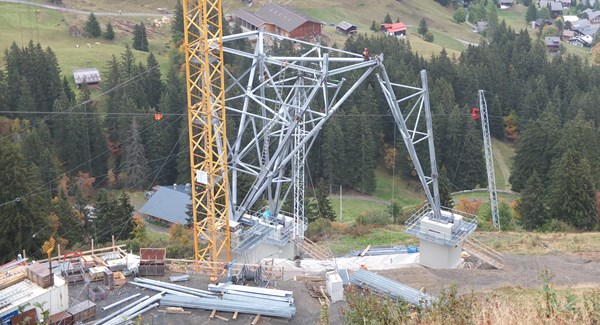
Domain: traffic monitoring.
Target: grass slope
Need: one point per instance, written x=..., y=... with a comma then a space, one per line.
x=22, y=23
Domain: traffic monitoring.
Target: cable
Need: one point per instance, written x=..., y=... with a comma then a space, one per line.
x=104, y=93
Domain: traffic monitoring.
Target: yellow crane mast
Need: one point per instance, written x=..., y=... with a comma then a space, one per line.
x=203, y=42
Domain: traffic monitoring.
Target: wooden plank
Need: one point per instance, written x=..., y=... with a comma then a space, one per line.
x=256, y=319
x=222, y=318
x=365, y=251
x=234, y=315
x=212, y=314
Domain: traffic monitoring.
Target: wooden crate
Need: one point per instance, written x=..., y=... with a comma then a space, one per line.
x=119, y=279
x=97, y=273
x=62, y=318
x=109, y=279
x=82, y=311
x=151, y=269
x=28, y=317
x=40, y=275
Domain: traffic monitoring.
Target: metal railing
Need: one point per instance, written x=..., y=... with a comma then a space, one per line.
x=458, y=233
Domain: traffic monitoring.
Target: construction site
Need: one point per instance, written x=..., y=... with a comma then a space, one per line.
x=252, y=263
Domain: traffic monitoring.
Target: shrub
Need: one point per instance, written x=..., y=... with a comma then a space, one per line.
x=378, y=218
x=460, y=16
x=555, y=225
x=319, y=228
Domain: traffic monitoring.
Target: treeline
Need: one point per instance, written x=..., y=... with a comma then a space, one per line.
x=548, y=106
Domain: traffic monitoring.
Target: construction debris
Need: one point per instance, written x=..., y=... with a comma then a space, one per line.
x=388, y=288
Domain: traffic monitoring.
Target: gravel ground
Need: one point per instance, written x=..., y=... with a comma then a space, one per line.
x=581, y=270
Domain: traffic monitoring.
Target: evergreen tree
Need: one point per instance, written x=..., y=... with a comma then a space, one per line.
x=322, y=199
x=94, y=136
x=531, y=205
x=535, y=150
x=332, y=152
x=92, y=27
x=136, y=164
x=140, y=39
x=67, y=90
x=460, y=15
x=22, y=214
x=423, y=29
x=4, y=95
x=71, y=223
x=109, y=33
x=113, y=216
x=571, y=196
x=177, y=27
x=387, y=19
x=444, y=188
x=38, y=148
x=374, y=26
x=152, y=83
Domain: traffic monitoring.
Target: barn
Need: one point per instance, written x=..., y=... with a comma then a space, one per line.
x=281, y=20
x=90, y=76
x=346, y=28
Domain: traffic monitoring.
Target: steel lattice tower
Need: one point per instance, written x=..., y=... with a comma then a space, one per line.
x=489, y=159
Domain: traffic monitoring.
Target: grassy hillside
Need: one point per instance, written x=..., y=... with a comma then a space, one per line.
x=50, y=28
x=362, y=13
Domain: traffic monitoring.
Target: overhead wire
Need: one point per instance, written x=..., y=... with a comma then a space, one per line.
x=103, y=231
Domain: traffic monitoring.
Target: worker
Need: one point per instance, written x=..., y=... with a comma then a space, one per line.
x=366, y=54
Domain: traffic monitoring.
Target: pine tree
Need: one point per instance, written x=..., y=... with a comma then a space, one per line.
x=71, y=223
x=374, y=26
x=324, y=208
x=177, y=25
x=535, y=150
x=140, y=39
x=113, y=216
x=387, y=19
x=136, y=164
x=92, y=27
x=152, y=84
x=444, y=188
x=94, y=136
x=38, y=148
x=423, y=29
x=22, y=214
x=109, y=34
x=571, y=196
x=531, y=205
x=332, y=152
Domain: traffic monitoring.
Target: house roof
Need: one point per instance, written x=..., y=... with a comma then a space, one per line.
x=568, y=33
x=395, y=27
x=344, y=25
x=590, y=30
x=571, y=19
x=89, y=75
x=507, y=2
x=552, y=41
x=249, y=17
x=282, y=16
x=169, y=203
x=554, y=5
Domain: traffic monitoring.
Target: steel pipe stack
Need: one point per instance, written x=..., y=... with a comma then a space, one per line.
x=256, y=307
x=386, y=287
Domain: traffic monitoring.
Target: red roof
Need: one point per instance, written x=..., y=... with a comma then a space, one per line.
x=395, y=27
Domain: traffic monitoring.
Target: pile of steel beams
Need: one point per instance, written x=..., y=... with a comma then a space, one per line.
x=389, y=288
x=225, y=298
x=130, y=311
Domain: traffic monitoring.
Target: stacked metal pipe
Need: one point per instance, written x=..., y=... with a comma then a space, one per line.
x=225, y=297
x=254, y=306
x=131, y=311
x=389, y=288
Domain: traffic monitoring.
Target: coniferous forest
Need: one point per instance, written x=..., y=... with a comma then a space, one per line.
x=63, y=150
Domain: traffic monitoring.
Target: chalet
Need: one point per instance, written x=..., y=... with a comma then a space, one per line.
x=583, y=41
x=395, y=29
x=90, y=76
x=552, y=44
x=567, y=35
x=346, y=28
x=281, y=20
x=168, y=204
x=556, y=7
x=591, y=15
x=481, y=26
x=508, y=3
